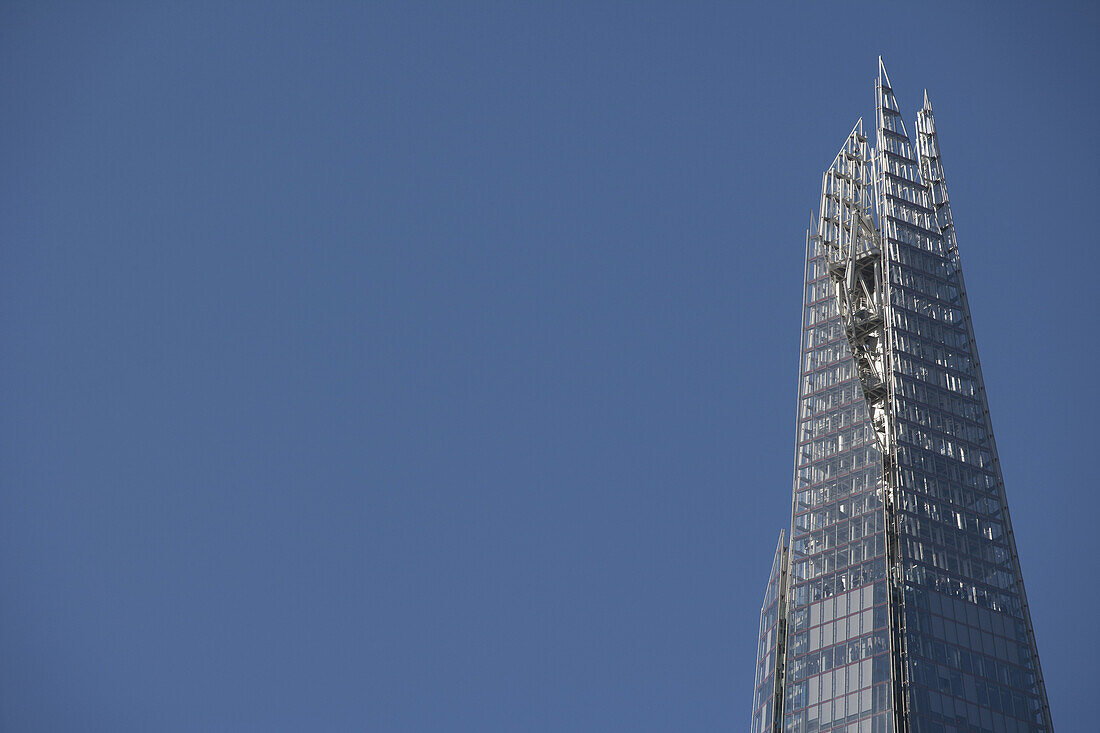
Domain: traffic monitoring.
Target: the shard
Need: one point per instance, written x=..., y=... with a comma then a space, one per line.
x=898, y=604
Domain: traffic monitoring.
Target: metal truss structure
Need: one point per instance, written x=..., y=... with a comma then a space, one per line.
x=899, y=603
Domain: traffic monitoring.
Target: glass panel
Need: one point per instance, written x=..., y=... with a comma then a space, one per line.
x=966, y=637
x=838, y=531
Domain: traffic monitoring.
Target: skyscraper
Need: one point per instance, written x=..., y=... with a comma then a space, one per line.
x=898, y=603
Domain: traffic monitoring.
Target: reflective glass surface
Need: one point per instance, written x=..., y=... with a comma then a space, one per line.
x=771, y=628
x=972, y=664
x=838, y=665
x=951, y=649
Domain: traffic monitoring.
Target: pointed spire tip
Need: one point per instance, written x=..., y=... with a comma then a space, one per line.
x=883, y=77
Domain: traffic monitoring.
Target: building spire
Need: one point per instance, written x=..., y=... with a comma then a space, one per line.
x=883, y=77
x=889, y=114
x=884, y=309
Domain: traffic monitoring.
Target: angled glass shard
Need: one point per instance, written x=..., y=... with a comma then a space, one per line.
x=901, y=606
x=770, y=649
x=964, y=592
x=837, y=652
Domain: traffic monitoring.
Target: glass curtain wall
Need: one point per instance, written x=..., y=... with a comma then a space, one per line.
x=838, y=650
x=770, y=649
x=972, y=664
x=952, y=648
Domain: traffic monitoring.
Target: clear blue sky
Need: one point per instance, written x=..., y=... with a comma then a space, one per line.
x=432, y=368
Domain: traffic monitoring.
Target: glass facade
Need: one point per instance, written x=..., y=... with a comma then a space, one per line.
x=972, y=663
x=899, y=604
x=770, y=650
x=838, y=651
